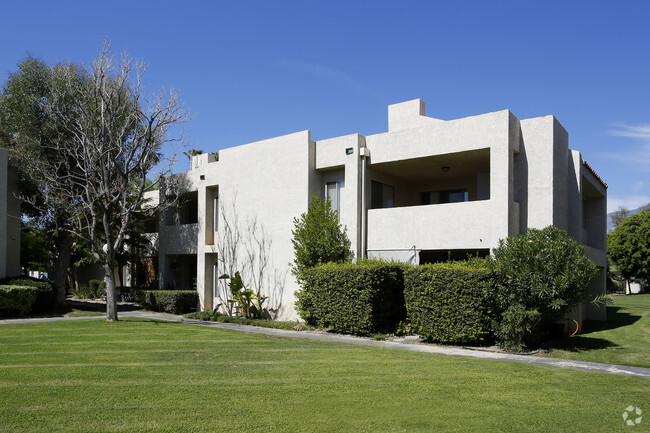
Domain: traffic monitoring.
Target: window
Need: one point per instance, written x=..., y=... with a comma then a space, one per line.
x=381, y=195
x=334, y=191
x=215, y=212
x=446, y=196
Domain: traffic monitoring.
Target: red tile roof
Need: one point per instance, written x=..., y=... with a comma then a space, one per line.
x=592, y=171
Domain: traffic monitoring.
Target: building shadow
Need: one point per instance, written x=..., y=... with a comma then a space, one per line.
x=616, y=317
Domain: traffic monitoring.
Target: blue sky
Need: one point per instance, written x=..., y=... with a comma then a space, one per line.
x=250, y=70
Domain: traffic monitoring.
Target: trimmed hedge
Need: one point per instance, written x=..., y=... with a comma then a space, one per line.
x=356, y=298
x=444, y=301
x=168, y=301
x=16, y=300
x=45, y=292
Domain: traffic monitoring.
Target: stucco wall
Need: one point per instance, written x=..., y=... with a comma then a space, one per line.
x=268, y=182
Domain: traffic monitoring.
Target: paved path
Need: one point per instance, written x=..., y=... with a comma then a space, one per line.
x=361, y=341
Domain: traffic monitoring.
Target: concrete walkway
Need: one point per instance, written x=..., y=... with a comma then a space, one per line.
x=361, y=341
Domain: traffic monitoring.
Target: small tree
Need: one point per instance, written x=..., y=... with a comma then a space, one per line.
x=318, y=237
x=538, y=278
x=629, y=247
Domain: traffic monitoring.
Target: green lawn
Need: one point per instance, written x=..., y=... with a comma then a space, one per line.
x=624, y=339
x=149, y=376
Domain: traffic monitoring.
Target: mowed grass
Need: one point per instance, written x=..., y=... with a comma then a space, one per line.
x=150, y=376
x=623, y=339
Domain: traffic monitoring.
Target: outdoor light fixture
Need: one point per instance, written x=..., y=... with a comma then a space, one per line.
x=445, y=168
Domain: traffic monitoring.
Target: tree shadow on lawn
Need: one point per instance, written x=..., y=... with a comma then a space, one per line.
x=94, y=306
x=616, y=317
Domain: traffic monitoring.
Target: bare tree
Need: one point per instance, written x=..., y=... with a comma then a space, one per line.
x=619, y=215
x=113, y=140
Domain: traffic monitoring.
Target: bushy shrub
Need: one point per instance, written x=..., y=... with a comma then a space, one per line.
x=97, y=289
x=168, y=301
x=17, y=300
x=125, y=293
x=444, y=301
x=84, y=292
x=355, y=298
x=537, y=279
x=45, y=292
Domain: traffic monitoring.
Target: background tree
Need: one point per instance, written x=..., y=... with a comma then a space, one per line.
x=629, y=247
x=35, y=247
x=619, y=215
x=113, y=139
x=318, y=237
x=32, y=137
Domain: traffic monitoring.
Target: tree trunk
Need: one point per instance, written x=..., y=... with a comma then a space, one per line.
x=111, y=299
x=120, y=274
x=64, y=251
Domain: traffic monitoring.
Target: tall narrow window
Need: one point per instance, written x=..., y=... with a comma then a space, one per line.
x=334, y=191
x=215, y=212
x=215, y=279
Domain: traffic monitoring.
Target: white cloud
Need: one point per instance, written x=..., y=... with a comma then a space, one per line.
x=637, y=156
x=634, y=131
x=628, y=202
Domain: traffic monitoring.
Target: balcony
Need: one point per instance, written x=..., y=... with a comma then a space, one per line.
x=179, y=239
x=465, y=225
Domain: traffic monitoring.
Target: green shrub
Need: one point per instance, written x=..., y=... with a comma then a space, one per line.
x=84, y=292
x=516, y=324
x=17, y=300
x=168, y=301
x=537, y=279
x=444, y=301
x=215, y=316
x=97, y=289
x=318, y=237
x=125, y=293
x=355, y=298
x=45, y=292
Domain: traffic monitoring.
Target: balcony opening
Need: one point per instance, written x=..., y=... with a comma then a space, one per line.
x=437, y=256
x=432, y=180
x=594, y=215
x=150, y=224
x=181, y=272
x=186, y=210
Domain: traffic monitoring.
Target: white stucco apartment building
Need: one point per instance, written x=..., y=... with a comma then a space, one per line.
x=423, y=191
